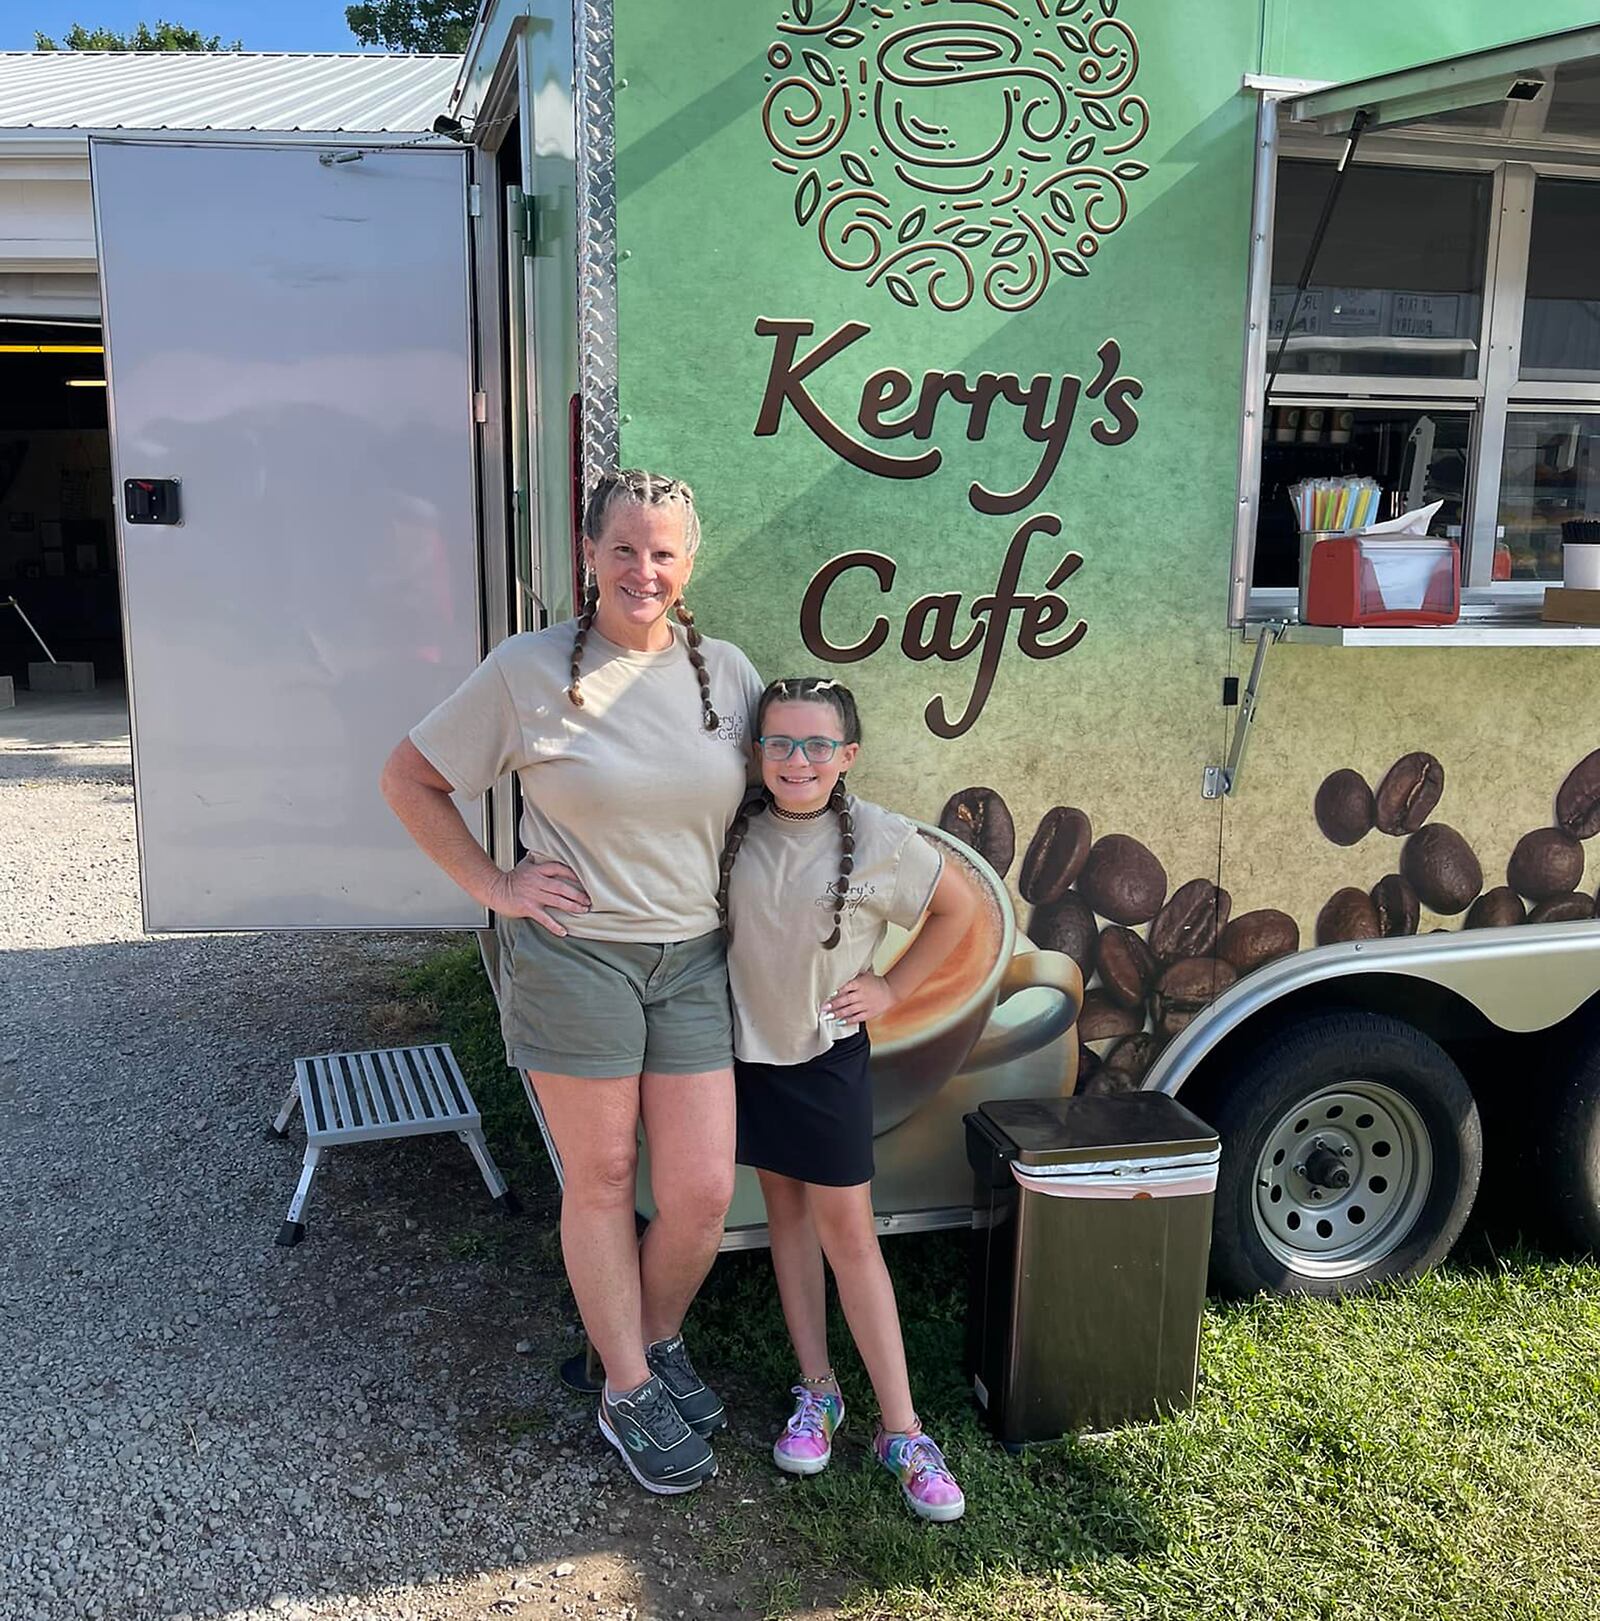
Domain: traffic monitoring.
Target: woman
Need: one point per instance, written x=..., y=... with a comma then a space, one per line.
x=629, y=736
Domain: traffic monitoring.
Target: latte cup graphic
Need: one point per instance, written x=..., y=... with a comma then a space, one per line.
x=948, y=1025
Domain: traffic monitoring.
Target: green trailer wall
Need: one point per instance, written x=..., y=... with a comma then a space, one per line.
x=1107, y=682
x=1358, y=38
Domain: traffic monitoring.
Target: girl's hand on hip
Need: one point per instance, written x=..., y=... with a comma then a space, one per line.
x=866, y=997
x=537, y=889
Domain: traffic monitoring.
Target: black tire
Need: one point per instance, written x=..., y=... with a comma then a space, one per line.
x=1265, y=1091
x=1572, y=1153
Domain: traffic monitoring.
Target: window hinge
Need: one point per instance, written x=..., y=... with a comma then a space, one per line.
x=480, y=406
x=475, y=201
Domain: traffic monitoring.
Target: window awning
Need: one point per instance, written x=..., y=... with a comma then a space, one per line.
x=1542, y=92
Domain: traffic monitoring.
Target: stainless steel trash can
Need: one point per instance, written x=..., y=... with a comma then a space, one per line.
x=1091, y=1234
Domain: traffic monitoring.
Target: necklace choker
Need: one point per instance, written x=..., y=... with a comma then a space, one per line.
x=799, y=816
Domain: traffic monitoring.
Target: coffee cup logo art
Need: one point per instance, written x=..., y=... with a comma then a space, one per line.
x=958, y=153
x=954, y=148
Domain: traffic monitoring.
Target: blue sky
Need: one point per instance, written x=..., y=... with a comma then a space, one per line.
x=263, y=25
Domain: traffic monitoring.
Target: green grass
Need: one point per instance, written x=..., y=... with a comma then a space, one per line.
x=454, y=990
x=1429, y=1451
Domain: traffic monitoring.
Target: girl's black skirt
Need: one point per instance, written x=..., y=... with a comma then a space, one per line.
x=810, y=1121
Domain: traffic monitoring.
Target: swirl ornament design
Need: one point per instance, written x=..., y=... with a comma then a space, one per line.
x=947, y=148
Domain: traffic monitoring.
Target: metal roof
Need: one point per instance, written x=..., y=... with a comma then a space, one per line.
x=222, y=90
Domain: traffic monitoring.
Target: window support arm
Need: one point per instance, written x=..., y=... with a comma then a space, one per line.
x=1221, y=781
x=1357, y=124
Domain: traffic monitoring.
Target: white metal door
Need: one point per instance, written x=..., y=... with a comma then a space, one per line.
x=290, y=339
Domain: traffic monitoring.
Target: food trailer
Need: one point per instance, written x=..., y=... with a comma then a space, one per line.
x=996, y=338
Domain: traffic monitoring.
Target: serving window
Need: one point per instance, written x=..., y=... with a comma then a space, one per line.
x=1561, y=316
x=1446, y=340
x=1398, y=283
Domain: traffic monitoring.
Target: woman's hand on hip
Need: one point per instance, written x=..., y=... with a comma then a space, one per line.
x=866, y=997
x=537, y=889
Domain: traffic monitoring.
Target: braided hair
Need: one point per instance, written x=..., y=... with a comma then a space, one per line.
x=639, y=488
x=839, y=698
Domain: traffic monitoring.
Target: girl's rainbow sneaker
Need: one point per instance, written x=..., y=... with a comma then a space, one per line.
x=806, y=1444
x=927, y=1485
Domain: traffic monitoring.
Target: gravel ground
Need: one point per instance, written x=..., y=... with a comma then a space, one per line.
x=201, y=1424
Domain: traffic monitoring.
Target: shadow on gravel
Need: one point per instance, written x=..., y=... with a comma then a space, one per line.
x=213, y=1425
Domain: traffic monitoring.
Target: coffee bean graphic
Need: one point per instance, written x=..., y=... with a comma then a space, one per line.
x=1125, y=1065
x=1578, y=800
x=1256, y=938
x=1545, y=863
x=1185, y=988
x=1088, y=1067
x=1344, y=807
x=1441, y=868
x=1562, y=909
x=981, y=818
x=1127, y=965
x=1103, y=1082
x=1496, y=909
x=1408, y=793
x=1395, y=902
x=1122, y=880
x=1067, y=925
x=1188, y=925
x=1056, y=854
x=1348, y=915
x=1102, y=1018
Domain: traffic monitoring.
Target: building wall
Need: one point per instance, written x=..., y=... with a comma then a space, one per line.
x=47, y=249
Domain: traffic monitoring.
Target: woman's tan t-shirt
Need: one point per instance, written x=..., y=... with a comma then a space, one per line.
x=780, y=910
x=631, y=791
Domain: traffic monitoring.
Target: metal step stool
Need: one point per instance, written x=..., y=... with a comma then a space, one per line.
x=367, y=1097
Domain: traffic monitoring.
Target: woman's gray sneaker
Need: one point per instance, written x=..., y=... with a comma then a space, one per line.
x=662, y=1453
x=701, y=1408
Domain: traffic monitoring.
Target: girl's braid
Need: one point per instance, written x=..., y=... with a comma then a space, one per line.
x=839, y=804
x=754, y=804
x=650, y=490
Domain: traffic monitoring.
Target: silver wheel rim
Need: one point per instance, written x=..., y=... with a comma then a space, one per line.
x=1373, y=1136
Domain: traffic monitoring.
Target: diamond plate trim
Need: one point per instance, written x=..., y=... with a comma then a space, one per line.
x=597, y=237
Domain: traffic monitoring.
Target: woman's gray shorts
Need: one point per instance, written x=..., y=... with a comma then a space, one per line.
x=613, y=1007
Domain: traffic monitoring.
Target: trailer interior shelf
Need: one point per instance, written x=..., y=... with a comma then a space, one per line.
x=1500, y=632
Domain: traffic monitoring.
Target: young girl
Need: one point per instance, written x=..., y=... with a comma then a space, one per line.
x=811, y=876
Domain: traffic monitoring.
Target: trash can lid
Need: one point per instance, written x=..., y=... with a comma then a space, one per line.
x=1131, y=1125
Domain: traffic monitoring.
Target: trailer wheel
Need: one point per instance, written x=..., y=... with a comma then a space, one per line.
x=1572, y=1153
x=1351, y=1150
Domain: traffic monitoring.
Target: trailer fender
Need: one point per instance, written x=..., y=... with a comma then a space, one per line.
x=1520, y=979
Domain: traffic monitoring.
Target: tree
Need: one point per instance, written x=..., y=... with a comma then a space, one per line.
x=413, y=25
x=163, y=37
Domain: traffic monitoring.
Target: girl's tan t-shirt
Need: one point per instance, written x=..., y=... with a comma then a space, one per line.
x=780, y=910
x=631, y=791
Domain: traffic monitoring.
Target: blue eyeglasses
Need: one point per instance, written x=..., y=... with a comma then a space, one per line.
x=818, y=750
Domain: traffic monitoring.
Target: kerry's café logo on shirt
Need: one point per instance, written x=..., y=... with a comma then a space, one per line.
x=952, y=153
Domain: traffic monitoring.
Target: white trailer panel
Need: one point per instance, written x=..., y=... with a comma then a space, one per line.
x=290, y=339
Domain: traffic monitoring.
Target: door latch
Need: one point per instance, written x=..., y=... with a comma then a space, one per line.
x=151, y=500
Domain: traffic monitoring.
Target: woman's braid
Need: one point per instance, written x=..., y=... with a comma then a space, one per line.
x=591, y=601
x=649, y=490
x=839, y=804
x=698, y=660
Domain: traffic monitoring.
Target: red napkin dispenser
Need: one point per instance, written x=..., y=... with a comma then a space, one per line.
x=1380, y=580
